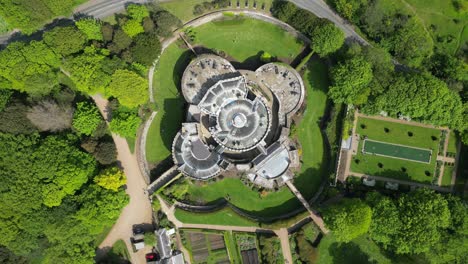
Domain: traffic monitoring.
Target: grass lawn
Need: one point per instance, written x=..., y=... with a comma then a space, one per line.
x=100, y=237
x=314, y=156
x=222, y=217
x=3, y=26
x=397, y=134
x=360, y=250
x=441, y=15
x=183, y=9
x=244, y=38
x=447, y=177
x=131, y=144
x=453, y=142
x=396, y=151
x=170, y=103
x=231, y=246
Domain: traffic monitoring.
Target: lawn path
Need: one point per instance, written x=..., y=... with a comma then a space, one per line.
x=138, y=211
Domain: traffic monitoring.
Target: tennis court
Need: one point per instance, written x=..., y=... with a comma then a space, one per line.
x=396, y=151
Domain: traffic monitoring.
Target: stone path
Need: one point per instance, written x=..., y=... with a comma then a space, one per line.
x=285, y=247
x=138, y=211
x=313, y=214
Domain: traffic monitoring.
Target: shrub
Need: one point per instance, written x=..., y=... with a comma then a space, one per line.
x=86, y=118
x=111, y=179
x=125, y=124
x=105, y=152
x=91, y=28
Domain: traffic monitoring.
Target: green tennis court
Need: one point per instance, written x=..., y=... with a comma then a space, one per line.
x=396, y=151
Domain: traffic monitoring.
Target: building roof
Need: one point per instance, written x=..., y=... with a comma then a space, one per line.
x=163, y=243
x=274, y=164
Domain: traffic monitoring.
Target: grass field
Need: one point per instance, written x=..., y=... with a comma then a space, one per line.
x=447, y=177
x=225, y=216
x=440, y=19
x=244, y=38
x=426, y=138
x=453, y=142
x=183, y=9
x=360, y=250
x=231, y=246
x=396, y=151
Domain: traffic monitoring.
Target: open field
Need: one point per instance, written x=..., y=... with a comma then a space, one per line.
x=443, y=21
x=183, y=9
x=244, y=38
x=453, y=142
x=222, y=217
x=401, y=134
x=447, y=177
x=378, y=148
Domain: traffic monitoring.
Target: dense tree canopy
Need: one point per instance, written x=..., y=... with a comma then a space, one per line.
x=65, y=40
x=326, y=38
x=111, y=179
x=86, y=118
x=48, y=115
x=91, y=28
x=146, y=49
x=350, y=81
x=130, y=88
x=125, y=123
x=426, y=98
x=348, y=219
x=385, y=219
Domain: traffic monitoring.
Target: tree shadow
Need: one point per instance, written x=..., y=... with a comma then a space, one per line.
x=171, y=120
x=348, y=253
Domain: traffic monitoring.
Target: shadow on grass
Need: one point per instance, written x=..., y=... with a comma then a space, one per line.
x=348, y=253
x=108, y=256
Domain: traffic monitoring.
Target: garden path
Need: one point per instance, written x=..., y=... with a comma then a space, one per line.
x=138, y=211
x=414, y=184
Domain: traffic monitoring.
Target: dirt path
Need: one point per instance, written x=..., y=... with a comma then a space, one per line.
x=285, y=247
x=138, y=211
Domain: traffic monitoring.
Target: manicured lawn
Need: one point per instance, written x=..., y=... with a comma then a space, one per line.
x=100, y=237
x=453, y=142
x=314, y=154
x=131, y=144
x=170, y=103
x=396, y=151
x=183, y=9
x=441, y=14
x=396, y=134
x=360, y=250
x=244, y=38
x=447, y=177
x=245, y=198
x=222, y=217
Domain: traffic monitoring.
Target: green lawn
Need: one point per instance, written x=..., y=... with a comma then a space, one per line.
x=3, y=26
x=222, y=217
x=231, y=246
x=447, y=177
x=397, y=134
x=453, y=142
x=131, y=144
x=441, y=14
x=360, y=250
x=183, y=9
x=314, y=154
x=118, y=254
x=244, y=38
x=170, y=103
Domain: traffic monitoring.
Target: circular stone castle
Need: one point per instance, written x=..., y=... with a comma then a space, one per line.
x=238, y=121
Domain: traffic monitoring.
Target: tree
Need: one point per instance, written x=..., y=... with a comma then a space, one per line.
x=125, y=124
x=266, y=57
x=426, y=98
x=107, y=31
x=14, y=119
x=422, y=214
x=165, y=22
x=446, y=66
x=47, y=115
x=130, y=88
x=120, y=41
x=132, y=27
x=326, y=39
x=348, y=219
x=349, y=9
x=385, y=219
x=146, y=49
x=111, y=179
x=105, y=152
x=65, y=40
x=137, y=12
x=150, y=239
x=86, y=118
x=91, y=28
x=5, y=96
x=350, y=81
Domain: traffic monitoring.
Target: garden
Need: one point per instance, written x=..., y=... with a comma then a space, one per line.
x=413, y=138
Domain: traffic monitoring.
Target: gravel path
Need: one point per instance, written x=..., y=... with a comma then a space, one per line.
x=138, y=211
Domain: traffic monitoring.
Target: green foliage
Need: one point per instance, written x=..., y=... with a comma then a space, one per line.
x=105, y=152
x=348, y=219
x=146, y=49
x=5, y=96
x=270, y=250
x=150, y=239
x=29, y=68
x=137, y=12
x=91, y=71
x=165, y=22
x=111, y=179
x=65, y=40
x=120, y=41
x=351, y=81
x=29, y=16
x=266, y=57
x=385, y=219
x=422, y=213
x=426, y=98
x=302, y=20
x=91, y=28
x=132, y=27
x=326, y=39
x=446, y=66
x=349, y=9
x=130, y=88
x=14, y=119
x=86, y=118
x=125, y=124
